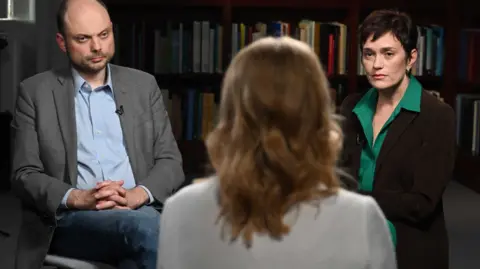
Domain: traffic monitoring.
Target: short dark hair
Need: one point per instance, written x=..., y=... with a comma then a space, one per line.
x=383, y=21
x=62, y=9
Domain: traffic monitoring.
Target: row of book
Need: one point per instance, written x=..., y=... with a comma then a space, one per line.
x=193, y=113
x=197, y=46
x=327, y=39
x=170, y=47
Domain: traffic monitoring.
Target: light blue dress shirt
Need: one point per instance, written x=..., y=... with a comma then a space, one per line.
x=101, y=151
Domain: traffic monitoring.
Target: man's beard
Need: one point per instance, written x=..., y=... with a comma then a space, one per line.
x=85, y=68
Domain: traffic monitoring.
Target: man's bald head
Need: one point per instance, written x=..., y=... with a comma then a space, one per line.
x=86, y=35
x=66, y=4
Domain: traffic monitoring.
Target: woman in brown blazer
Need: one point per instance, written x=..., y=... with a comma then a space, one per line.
x=400, y=142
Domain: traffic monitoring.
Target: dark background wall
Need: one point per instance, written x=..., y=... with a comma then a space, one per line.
x=31, y=49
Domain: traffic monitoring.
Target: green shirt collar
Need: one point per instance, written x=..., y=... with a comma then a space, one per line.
x=410, y=100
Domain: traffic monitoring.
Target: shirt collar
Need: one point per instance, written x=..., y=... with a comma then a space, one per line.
x=410, y=100
x=79, y=81
x=412, y=97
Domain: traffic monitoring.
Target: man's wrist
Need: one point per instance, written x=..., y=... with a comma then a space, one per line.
x=150, y=198
x=63, y=203
x=142, y=195
x=72, y=198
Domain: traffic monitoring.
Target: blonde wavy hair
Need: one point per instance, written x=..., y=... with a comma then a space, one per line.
x=277, y=140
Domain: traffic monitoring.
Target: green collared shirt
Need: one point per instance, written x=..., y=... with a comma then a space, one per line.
x=365, y=110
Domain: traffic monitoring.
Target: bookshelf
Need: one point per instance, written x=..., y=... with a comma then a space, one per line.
x=189, y=69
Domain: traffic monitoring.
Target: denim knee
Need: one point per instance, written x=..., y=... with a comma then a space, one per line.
x=141, y=231
x=148, y=227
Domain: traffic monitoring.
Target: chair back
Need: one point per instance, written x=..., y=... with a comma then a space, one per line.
x=5, y=150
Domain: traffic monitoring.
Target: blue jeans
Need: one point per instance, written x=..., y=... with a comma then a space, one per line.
x=109, y=236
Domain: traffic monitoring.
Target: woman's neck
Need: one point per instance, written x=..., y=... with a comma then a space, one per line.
x=392, y=96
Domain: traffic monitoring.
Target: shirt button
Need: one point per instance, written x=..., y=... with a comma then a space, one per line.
x=98, y=132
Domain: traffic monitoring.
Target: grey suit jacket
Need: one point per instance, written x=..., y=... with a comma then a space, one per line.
x=45, y=144
x=344, y=231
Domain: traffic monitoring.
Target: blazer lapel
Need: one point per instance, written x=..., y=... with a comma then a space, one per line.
x=65, y=104
x=396, y=129
x=121, y=96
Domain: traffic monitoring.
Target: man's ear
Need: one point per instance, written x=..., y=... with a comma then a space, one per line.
x=61, y=42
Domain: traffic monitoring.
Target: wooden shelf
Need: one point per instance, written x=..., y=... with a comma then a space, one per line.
x=467, y=87
x=405, y=5
x=249, y=14
x=429, y=82
x=317, y=4
x=174, y=10
x=165, y=3
x=467, y=170
x=430, y=5
x=217, y=77
x=195, y=80
x=207, y=80
x=420, y=16
x=470, y=17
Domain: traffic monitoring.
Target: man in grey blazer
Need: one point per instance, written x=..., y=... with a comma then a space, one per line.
x=94, y=153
